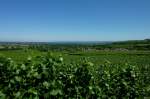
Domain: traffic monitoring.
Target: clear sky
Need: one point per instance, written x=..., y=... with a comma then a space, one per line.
x=74, y=20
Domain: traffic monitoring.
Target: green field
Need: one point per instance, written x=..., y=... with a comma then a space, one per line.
x=19, y=55
x=74, y=72
x=99, y=57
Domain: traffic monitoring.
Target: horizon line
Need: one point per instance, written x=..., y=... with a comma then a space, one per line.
x=63, y=41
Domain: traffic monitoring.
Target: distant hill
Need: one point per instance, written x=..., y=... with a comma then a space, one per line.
x=146, y=41
x=133, y=44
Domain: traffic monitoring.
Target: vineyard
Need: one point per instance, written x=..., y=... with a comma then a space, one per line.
x=49, y=77
x=74, y=49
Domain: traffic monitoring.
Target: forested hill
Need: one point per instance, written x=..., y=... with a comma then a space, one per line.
x=130, y=42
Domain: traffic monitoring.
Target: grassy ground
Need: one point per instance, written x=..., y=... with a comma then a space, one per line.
x=100, y=57
x=20, y=55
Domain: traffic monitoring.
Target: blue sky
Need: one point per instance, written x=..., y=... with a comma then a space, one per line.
x=74, y=20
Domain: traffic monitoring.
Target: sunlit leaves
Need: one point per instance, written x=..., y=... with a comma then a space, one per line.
x=50, y=78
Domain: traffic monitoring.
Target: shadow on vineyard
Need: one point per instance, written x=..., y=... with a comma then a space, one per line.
x=48, y=77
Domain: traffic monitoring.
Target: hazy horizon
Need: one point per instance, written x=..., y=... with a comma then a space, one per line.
x=70, y=41
x=74, y=20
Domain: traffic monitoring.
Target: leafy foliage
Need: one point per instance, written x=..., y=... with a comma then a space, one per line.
x=49, y=77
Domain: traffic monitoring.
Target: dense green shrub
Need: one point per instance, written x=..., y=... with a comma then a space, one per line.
x=48, y=77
